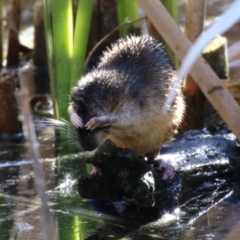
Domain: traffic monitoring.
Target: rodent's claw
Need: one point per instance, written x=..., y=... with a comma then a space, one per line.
x=76, y=120
x=168, y=170
x=96, y=122
x=93, y=123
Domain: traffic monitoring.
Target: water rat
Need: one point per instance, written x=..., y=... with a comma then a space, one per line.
x=122, y=99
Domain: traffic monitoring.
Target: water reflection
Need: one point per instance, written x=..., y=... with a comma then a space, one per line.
x=219, y=222
x=198, y=218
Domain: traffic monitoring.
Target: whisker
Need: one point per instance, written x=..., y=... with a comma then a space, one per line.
x=67, y=131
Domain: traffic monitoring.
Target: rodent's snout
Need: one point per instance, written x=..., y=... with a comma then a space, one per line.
x=87, y=138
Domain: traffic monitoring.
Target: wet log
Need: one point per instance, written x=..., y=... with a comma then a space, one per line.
x=40, y=61
x=9, y=123
x=201, y=168
x=124, y=174
x=40, y=50
x=13, y=41
x=216, y=56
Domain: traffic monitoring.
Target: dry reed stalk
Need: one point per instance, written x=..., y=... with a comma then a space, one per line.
x=194, y=24
x=48, y=228
x=202, y=73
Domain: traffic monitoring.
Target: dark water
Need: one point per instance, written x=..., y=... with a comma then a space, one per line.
x=205, y=217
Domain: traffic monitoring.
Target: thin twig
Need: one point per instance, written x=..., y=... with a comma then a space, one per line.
x=125, y=23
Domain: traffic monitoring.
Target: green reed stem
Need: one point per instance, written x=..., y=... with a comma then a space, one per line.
x=127, y=10
x=81, y=34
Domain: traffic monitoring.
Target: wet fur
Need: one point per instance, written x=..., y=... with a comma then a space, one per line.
x=131, y=82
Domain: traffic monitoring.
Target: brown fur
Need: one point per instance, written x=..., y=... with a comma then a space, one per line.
x=130, y=83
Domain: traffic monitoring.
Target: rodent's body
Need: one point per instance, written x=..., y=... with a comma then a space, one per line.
x=122, y=98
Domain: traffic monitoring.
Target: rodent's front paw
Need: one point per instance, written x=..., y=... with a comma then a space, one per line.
x=96, y=122
x=76, y=120
x=93, y=123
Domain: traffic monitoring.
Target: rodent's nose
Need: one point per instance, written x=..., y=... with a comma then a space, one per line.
x=87, y=139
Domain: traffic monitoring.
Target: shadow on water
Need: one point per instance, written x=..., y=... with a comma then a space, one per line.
x=211, y=214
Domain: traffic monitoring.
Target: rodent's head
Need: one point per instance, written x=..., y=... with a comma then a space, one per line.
x=88, y=103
